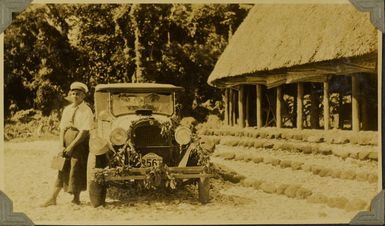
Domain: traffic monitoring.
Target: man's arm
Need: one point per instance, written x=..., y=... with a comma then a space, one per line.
x=61, y=142
x=78, y=139
x=61, y=137
x=86, y=120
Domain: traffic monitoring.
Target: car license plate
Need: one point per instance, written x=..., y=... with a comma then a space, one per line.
x=151, y=160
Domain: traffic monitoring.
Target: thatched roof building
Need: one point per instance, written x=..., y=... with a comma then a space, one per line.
x=279, y=44
x=302, y=51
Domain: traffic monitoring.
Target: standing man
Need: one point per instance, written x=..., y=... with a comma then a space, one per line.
x=75, y=124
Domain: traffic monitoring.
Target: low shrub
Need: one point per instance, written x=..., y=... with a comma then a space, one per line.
x=257, y=184
x=228, y=174
x=307, y=167
x=239, y=157
x=363, y=155
x=191, y=122
x=247, y=157
x=247, y=182
x=25, y=116
x=281, y=188
x=257, y=159
x=372, y=178
x=317, y=198
x=339, y=202
x=31, y=123
x=356, y=204
x=291, y=190
x=324, y=150
x=336, y=173
x=285, y=163
x=373, y=155
x=324, y=172
x=228, y=156
x=296, y=165
x=302, y=193
x=268, y=187
x=362, y=176
x=348, y=174
x=268, y=145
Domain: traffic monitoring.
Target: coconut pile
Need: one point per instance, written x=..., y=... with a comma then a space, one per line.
x=335, y=168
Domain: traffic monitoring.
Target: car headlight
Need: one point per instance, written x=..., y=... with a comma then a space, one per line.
x=118, y=136
x=182, y=135
x=98, y=146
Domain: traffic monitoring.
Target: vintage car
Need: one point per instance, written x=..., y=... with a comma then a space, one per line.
x=138, y=140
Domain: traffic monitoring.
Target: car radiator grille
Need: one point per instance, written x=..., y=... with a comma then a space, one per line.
x=149, y=135
x=147, y=138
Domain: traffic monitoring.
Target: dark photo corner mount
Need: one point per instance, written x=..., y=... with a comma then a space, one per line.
x=376, y=215
x=8, y=8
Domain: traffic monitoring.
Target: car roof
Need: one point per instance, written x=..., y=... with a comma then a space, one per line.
x=137, y=87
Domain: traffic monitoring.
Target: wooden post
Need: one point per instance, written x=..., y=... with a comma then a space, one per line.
x=365, y=116
x=314, y=110
x=326, y=106
x=226, y=100
x=278, y=107
x=355, y=104
x=231, y=109
x=340, y=111
x=240, y=106
x=299, y=105
x=247, y=107
x=259, y=106
x=234, y=101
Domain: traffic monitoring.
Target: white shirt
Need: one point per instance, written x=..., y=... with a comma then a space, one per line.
x=80, y=117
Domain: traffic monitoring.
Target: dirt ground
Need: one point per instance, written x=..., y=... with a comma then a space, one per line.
x=29, y=180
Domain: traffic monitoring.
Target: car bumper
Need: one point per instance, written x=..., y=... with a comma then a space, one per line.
x=132, y=174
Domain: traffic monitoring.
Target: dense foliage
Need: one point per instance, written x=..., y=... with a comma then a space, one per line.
x=49, y=46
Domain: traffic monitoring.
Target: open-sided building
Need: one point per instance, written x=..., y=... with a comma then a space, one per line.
x=303, y=65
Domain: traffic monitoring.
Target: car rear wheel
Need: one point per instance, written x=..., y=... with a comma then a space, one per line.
x=204, y=188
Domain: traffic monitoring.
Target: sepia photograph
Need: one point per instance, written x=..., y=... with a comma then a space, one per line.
x=192, y=113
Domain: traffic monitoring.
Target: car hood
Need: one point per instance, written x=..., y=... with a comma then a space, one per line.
x=126, y=121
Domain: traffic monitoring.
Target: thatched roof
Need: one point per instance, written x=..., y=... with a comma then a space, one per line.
x=275, y=37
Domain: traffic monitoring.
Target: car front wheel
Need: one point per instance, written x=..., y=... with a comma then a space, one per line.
x=97, y=192
x=204, y=188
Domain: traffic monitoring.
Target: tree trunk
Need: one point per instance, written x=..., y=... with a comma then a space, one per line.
x=138, y=74
x=126, y=47
x=230, y=32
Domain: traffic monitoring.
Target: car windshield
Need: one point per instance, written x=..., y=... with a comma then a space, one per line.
x=129, y=103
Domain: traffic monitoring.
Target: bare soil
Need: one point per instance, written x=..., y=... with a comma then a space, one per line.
x=29, y=181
